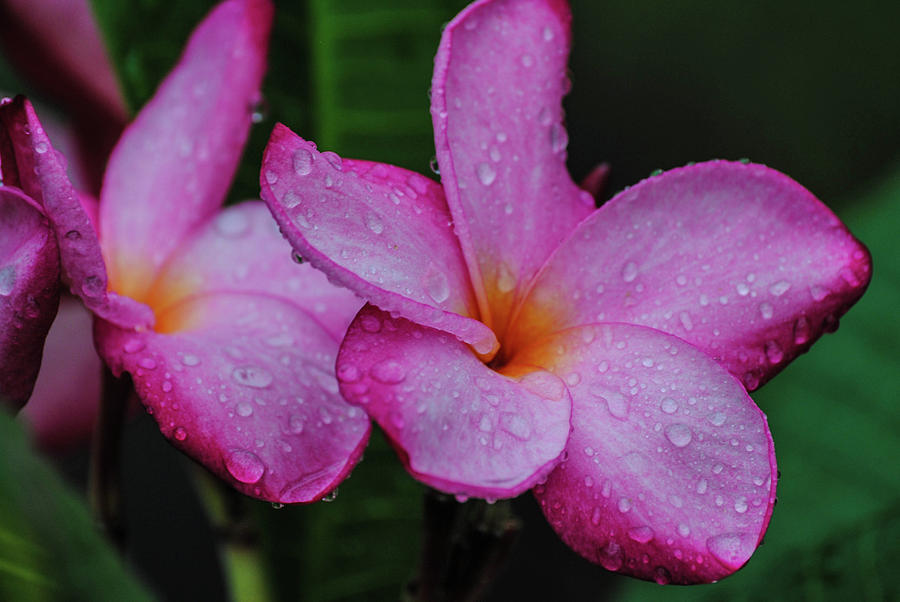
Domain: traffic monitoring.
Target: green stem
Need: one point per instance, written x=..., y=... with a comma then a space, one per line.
x=104, y=488
x=465, y=546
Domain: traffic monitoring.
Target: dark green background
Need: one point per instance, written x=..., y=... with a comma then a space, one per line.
x=810, y=88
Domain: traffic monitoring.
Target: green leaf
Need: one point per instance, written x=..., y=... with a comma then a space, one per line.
x=49, y=548
x=361, y=546
x=835, y=420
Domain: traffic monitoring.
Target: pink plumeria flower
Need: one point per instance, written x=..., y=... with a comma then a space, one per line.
x=230, y=344
x=517, y=337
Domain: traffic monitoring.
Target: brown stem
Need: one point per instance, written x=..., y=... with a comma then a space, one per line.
x=465, y=545
x=105, y=475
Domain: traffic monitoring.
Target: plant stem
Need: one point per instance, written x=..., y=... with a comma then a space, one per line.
x=465, y=545
x=104, y=488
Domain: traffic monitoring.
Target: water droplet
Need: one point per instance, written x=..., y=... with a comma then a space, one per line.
x=731, y=549
x=190, y=360
x=559, y=138
x=231, y=224
x=548, y=34
x=716, y=418
x=271, y=176
x=641, y=534
x=702, y=485
x=611, y=557
x=93, y=286
x=669, y=405
x=389, y=372
x=295, y=424
x=624, y=504
x=596, y=516
x=684, y=530
x=73, y=235
x=766, y=310
x=180, y=434
x=515, y=425
x=348, y=373
x=616, y=403
x=629, y=271
x=774, y=352
x=779, y=288
x=742, y=289
x=244, y=409
x=245, y=466
x=544, y=384
x=486, y=173
x=801, y=330
x=133, y=345
x=41, y=147
x=505, y=279
x=282, y=339
x=167, y=386
x=818, y=293
x=147, y=363
x=433, y=166
x=303, y=162
x=334, y=160
x=436, y=284
x=679, y=435
x=485, y=425
x=252, y=376
x=662, y=576
x=370, y=323
x=686, y=321
x=527, y=60
x=374, y=223
x=740, y=505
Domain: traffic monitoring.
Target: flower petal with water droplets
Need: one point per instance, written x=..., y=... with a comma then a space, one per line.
x=733, y=258
x=267, y=419
x=175, y=161
x=29, y=293
x=30, y=162
x=241, y=250
x=496, y=105
x=381, y=231
x=670, y=471
x=458, y=425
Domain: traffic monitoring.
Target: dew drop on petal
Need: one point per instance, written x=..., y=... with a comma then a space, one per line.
x=245, y=466
x=180, y=434
x=731, y=549
x=669, y=405
x=436, y=284
x=740, y=505
x=348, y=373
x=244, y=409
x=766, y=310
x=133, y=345
x=629, y=271
x=252, y=376
x=679, y=435
x=486, y=173
x=505, y=279
x=190, y=360
x=779, y=288
x=801, y=330
x=7, y=280
x=774, y=352
x=389, y=372
x=303, y=162
x=374, y=223
x=641, y=534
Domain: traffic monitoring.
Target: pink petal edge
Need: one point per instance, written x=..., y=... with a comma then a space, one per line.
x=670, y=473
x=265, y=417
x=458, y=425
x=381, y=231
x=736, y=259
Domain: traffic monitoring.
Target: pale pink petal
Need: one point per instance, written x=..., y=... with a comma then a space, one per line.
x=739, y=260
x=241, y=250
x=670, y=471
x=499, y=79
x=174, y=163
x=29, y=293
x=29, y=161
x=458, y=425
x=265, y=417
x=63, y=407
x=379, y=230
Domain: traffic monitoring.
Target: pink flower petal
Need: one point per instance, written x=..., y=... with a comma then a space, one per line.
x=173, y=165
x=63, y=407
x=265, y=417
x=499, y=79
x=739, y=260
x=29, y=161
x=458, y=425
x=379, y=230
x=670, y=471
x=29, y=292
x=241, y=250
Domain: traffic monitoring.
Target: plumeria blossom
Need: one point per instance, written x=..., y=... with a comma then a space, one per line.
x=516, y=337
x=230, y=344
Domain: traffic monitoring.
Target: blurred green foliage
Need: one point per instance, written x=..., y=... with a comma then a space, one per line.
x=50, y=549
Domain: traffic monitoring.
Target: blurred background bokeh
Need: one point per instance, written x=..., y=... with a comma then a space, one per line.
x=809, y=88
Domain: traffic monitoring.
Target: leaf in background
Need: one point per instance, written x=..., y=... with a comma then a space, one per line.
x=836, y=423
x=49, y=548
x=362, y=546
